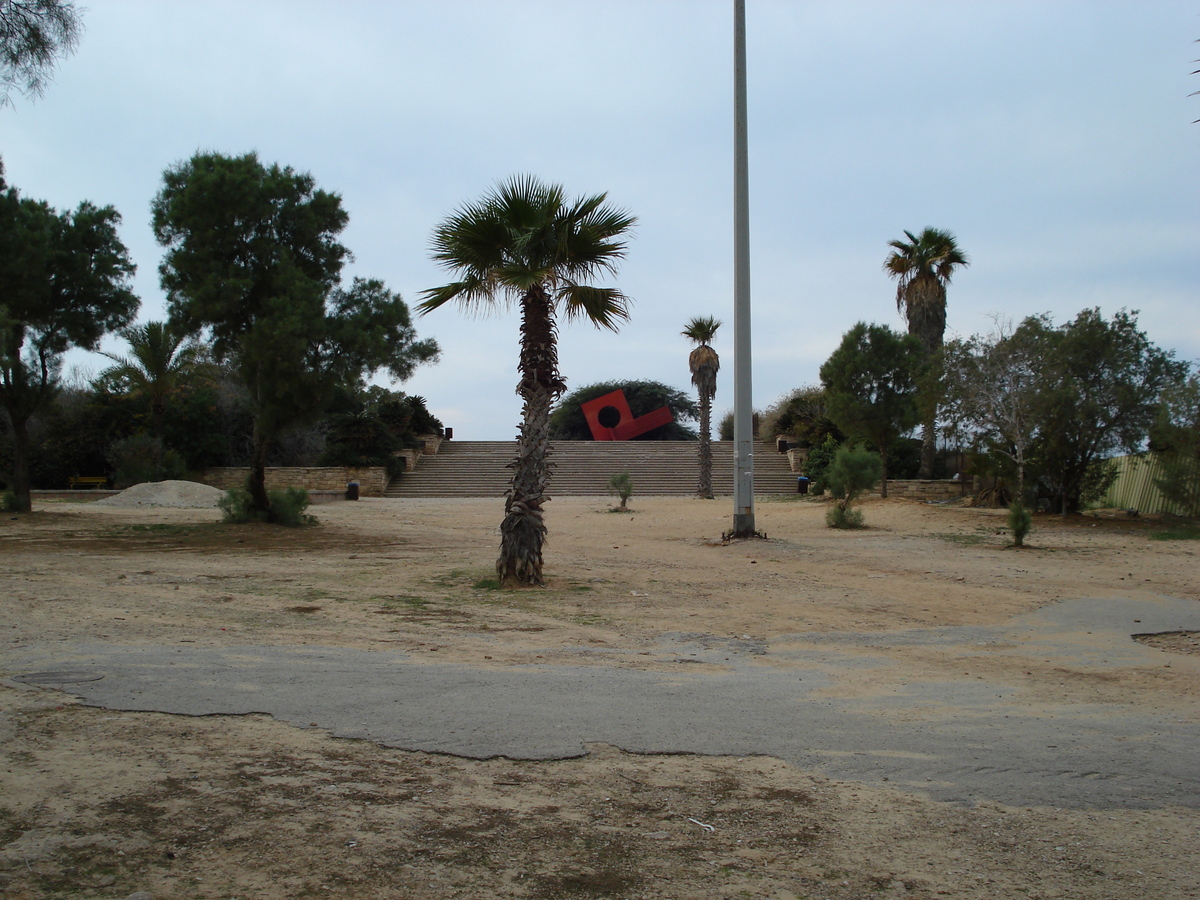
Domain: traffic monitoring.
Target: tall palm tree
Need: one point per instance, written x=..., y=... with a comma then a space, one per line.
x=161, y=358
x=704, y=363
x=526, y=243
x=922, y=267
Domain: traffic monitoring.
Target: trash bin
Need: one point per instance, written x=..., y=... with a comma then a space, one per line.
x=801, y=485
x=352, y=491
x=781, y=445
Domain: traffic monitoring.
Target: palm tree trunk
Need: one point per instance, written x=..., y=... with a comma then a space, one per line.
x=523, y=531
x=704, y=489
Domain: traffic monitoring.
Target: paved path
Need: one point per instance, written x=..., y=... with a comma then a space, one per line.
x=956, y=739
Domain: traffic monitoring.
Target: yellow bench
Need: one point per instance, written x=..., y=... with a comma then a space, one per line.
x=87, y=481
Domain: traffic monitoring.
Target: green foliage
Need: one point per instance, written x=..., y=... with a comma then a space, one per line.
x=1175, y=435
x=838, y=516
x=725, y=430
x=1020, y=520
x=252, y=256
x=369, y=426
x=162, y=360
x=854, y=470
x=567, y=422
x=801, y=415
x=287, y=508
x=1098, y=389
x=64, y=282
x=620, y=485
x=871, y=386
x=8, y=502
x=34, y=34
x=1056, y=401
x=820, y=458
x=1178, y=531
x=142, y=458
x=904, y=458
x=237, y=507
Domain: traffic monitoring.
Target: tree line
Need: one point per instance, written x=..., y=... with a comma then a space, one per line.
x=263, y=334
x=1039, y=407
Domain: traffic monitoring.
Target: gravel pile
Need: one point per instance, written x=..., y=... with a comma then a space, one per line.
x=177, y=494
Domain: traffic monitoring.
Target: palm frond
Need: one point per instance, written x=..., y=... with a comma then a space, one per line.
x=702, y=329
x=603, y=307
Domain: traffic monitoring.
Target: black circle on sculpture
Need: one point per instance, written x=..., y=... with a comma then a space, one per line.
x=609, y=417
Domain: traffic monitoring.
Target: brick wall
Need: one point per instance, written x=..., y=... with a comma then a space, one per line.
x=371, y=482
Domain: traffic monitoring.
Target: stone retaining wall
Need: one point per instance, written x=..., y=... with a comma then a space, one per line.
x=926, y=491
x=371, y=481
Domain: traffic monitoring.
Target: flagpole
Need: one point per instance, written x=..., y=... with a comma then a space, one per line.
x=743, y=397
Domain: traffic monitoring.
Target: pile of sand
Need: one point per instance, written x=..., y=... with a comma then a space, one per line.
x=177, y=494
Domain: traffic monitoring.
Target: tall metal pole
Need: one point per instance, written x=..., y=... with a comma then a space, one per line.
x=743, y=399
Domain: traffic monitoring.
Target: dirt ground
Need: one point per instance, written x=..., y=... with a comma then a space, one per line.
x=102, y=804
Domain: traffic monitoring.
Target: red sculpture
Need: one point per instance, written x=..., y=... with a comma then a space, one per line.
x=614, y=408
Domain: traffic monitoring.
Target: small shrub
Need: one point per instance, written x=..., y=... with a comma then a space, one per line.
x=8, y=501
x=1020, y=520
x=838, y=516
x=287, y=508
x=237, y=507
x=854, y=470
x=621, y=486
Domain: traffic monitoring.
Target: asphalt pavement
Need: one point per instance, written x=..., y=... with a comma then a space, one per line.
x=960, y=739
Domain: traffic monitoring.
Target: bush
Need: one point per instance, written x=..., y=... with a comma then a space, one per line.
x=820, y=458
x=854, y=470
x=838, y=516
x=237, y=507
x=1020, y=520
x=8, y=501
x=800, y=415
x=621, y=485
x=725, y=431
x=287, y=508
x=141, y=458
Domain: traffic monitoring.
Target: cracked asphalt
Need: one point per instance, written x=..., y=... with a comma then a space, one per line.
x=957, y=739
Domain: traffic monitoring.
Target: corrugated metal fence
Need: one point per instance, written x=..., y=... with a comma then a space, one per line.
x=1135, y=487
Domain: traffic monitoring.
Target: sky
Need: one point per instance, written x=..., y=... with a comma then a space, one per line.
x=1055, y=139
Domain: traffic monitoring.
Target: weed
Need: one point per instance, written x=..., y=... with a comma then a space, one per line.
x=969, y=540
x=1179, y=531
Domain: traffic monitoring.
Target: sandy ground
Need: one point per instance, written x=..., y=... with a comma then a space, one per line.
x=97, y=803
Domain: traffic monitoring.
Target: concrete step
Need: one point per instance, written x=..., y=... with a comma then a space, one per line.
x=583, y=469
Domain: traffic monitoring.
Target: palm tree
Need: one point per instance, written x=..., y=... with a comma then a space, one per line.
x=526, y=243
x=161, y=358
x=922, y=268
x=704, y=364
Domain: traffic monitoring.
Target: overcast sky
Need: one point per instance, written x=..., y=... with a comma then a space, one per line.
x=1055, y=139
